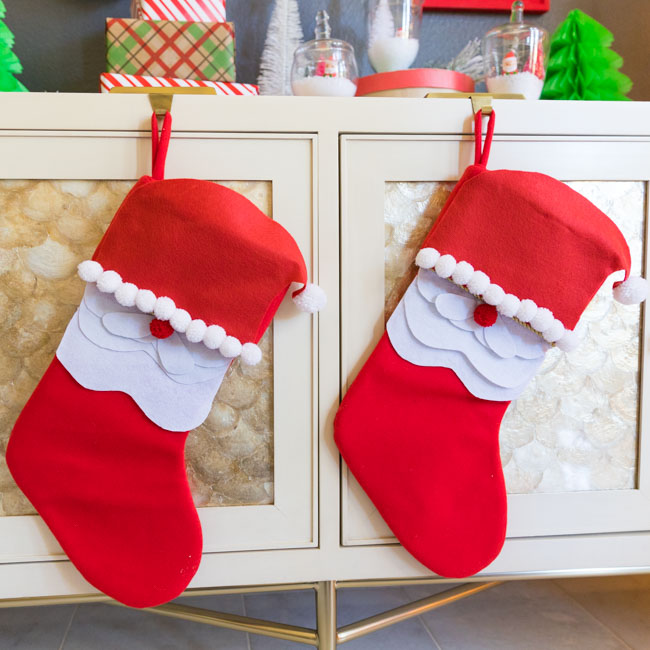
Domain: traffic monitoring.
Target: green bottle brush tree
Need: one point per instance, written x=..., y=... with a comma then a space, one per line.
x=581, y=63
x=9, y=62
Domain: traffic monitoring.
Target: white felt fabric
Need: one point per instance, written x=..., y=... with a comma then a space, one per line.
x=106, y=347
x=494, y=363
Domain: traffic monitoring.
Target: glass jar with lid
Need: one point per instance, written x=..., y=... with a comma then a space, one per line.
x=515, y=56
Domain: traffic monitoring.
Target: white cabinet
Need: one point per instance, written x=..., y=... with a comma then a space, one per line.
x=357, y=183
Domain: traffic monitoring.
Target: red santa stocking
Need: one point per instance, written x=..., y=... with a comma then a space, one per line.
x=99, y=447
x=505, y=272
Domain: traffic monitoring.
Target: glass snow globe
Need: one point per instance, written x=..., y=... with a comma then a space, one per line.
x=515, y=56
x=393, y=33
x=324, y=66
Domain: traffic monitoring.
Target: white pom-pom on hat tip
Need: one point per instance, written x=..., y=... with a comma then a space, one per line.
x=231, y=347
x=90, y=271
x=251, y=354
x=631, y=292
x=311, y=299
x=555, y=332
x=427, y=258
x=109, y=282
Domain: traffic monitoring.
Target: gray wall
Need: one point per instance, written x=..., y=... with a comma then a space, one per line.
x=61, y=42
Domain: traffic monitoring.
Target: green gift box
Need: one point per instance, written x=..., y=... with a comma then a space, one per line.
x=166, y=48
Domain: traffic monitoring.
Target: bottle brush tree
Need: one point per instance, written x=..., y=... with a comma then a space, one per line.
x=581, y=63
x=9, y=62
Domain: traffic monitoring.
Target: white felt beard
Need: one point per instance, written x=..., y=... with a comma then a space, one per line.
x=433, y=326
x=107, y=347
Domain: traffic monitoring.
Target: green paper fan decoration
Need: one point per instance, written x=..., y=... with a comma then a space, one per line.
x=9, y=63
x=582, y=65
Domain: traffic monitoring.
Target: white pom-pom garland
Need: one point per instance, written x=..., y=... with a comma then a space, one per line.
x=427, y=258
x=569, y=342
x=126, y=293
x=311, y=299
x=109, y=282
x=164, y=308
x=90, y=271
x=231, y=347
x=215, y=335
x=527, y=310
x=196, y=331
x=145, y=300
x=478, y=283
x=493, y=295
x=542, y=320
x=462, y=273
x=631, y=292
x=251, y=355
x=509, y=305
x=445, y=266
x=180, y=320
x=555, y=332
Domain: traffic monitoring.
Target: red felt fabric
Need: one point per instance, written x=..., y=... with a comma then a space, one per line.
x=111, y=486
x=206, y=247
x=426, y=452
x=535, y=237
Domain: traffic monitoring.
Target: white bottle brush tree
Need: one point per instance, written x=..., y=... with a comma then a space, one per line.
x=383, y=25
x=283, y=37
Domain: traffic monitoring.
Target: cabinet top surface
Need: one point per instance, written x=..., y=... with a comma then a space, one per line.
x=325, y=116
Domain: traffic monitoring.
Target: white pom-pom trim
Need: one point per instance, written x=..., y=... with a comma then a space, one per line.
x=427, y=258
x=251, y=355
x=631, y=292
x=196, y=331
x=311, y=299
x=90, y=271
x=462, y=273
x=214, y=337
x=445, y=266
x=539, y=319
x=126, y=294
x=109, y=282
x=164, y=308
x=231, y=347
x=180, y=320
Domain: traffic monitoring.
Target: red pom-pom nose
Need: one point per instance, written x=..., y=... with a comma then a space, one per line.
x=485, y=315
x=161, y=329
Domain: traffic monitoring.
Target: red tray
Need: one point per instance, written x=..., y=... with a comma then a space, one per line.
x=532, y=6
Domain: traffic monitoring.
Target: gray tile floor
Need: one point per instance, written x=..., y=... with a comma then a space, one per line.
x=586, y=613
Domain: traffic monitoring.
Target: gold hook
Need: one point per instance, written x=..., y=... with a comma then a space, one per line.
x=161, y=99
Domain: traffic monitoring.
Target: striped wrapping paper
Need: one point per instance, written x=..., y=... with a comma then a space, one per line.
x=197, y=10
x=110, y=80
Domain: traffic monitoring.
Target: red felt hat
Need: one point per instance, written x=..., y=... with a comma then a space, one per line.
x=531, y=246
x=204, y=258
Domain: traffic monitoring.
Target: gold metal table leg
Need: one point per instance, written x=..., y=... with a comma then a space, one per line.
x=326, y=615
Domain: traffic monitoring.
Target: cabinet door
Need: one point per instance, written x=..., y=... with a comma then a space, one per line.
x=252, y=464
x=574, y=446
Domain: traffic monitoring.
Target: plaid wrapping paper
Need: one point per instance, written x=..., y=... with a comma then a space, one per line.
x=109, y=80
x=203, y=10
x=185, y=50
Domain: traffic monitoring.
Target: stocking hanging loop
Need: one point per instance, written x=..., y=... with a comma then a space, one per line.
x=160, y=145
x=482, y=150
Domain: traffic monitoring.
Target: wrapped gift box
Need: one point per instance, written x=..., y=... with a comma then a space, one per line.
x=110, y=80
x=184, y=50
x=200, y=10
